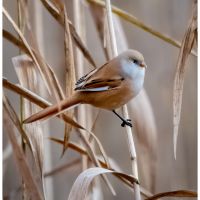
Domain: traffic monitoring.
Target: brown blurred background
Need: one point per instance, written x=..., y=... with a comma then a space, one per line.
x=170, y=17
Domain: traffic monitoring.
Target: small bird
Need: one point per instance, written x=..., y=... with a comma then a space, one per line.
x=108, y=87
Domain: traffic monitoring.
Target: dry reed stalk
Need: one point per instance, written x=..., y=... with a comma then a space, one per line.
x=11, y=38
x=26, y=73
x=130, y=141
x=133, y=20
x=145, y=130
x=79, y=25
x=141, y=111
x=186, y=47
x=146, y=134
x=60, y=18
x=21, y=161
x=49, y=73
x=70, y=73
x=27, y=46
x=22, y=19
x=13, y=116
x=176, y=193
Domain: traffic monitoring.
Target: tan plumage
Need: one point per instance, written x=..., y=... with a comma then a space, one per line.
x=108, y=87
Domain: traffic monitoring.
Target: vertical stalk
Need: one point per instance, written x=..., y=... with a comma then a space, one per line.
x=23, y=144
x=38, y=24
x=79, y=65
x=129, y=133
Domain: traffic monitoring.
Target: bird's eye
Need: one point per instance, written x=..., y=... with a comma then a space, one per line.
x=135, y=61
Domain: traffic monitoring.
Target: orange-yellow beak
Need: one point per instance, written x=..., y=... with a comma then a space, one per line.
x=143, y=65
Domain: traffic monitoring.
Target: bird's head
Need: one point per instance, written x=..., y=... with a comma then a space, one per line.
x=136, y=58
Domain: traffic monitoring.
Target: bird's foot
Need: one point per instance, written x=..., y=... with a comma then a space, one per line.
x=127, y=123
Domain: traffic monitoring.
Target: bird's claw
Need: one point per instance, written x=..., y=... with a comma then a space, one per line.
x=126, y=123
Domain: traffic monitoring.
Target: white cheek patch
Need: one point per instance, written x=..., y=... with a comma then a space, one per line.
x=129, y=68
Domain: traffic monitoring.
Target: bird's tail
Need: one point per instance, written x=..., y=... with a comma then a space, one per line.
x=54, y=110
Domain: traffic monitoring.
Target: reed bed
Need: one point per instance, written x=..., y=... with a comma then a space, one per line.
x=39, y=85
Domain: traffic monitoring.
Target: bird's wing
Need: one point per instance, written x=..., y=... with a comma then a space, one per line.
x=97, y=85
x=85, y=77
x=100, y=79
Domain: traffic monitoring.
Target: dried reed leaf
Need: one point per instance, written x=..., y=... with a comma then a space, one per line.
x=177, y=193
x=187, y=44
x=133, y=20
x=11, y=38
x=27, y=47
x=13, y=116
x=27, y=76
x=48, y=71
x=23, y=18
x=70, y=75
x=81, y=185
x=36, y=99
x=59, y=16
x=93, y=136
x=58, y=4
x=51, y=76
x=92, y=155
x=81, y=150
x=21, y=160
x=43, y=103
x=53, y=82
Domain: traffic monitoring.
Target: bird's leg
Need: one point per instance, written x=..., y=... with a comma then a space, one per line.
x=124, y=121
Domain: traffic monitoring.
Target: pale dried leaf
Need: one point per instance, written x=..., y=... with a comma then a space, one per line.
x=13, y=116
x=70, y=74
x=177, y=193
x=27, y=76
x=21, y=160
x=187, y=44
x=27, y=46
x=76, y=147
x=23, y=18
x=49, y=73
x=11, y=38
x=53, y=82
x=80, y=187
x=92, y=155
x=37, y=100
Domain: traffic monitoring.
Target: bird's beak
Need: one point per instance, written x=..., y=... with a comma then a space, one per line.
x=143, y=65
